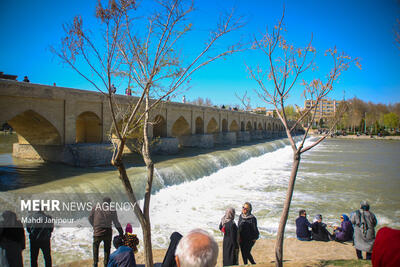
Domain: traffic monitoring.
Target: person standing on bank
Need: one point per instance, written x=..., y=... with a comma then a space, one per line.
x=12, y=240
x=39, y=237
x=101, y=219
x=248, y=232
x=230, y=247
x=364, y=223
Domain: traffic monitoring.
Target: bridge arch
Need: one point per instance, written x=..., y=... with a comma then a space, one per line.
x=159, y=126
x=248, y=126
x=199, y=123
x=34, y=129
x=88, y=128
x=212, y=126
x=234, y=127
x=269, y=127
x=180, y=127
x=259, y=126
x=224, y=125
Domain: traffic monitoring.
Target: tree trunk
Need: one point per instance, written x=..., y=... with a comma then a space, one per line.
x=285, y=212
x=146, y=228
x=148, y=252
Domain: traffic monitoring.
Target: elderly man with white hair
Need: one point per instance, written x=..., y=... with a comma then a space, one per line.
x=197, y=249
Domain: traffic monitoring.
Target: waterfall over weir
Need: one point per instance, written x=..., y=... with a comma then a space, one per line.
x=92, y=187
x=195, y=191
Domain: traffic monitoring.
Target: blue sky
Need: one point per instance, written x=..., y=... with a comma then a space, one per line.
x=362, y=28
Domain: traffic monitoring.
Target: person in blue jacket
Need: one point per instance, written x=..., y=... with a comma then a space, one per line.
x=302, y=225
x=123, y=256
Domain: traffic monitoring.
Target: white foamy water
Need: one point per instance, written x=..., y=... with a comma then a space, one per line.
x=329, y=182
x=202, y=203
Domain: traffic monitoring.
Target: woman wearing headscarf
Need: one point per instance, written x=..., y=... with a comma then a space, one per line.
x=364, y=222
x=248, y=232
x=345, y=231
x=130, y=239
x=230, y=247
x=319, y=231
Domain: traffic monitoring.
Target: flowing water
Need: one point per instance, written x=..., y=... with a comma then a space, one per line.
x=194, y=191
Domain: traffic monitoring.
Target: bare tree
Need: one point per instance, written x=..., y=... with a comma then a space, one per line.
x=143, y=50
x=202, y=102
x=285, y=64
x=245, y=101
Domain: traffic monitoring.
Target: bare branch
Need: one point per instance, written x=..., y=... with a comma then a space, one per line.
x=244, y=100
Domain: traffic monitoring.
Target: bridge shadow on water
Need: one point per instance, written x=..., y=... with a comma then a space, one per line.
x=19, y=173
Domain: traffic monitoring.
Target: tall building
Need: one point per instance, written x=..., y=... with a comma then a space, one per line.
x=326, y=108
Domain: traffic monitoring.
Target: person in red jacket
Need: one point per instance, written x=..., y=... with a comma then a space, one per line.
x=386, y=250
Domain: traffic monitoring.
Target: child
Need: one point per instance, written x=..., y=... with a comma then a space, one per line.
x=130, y=240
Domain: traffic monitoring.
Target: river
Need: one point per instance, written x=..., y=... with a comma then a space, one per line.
x=194, y=190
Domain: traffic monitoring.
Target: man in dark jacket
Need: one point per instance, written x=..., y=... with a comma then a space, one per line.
x=12, y=239
x=123, y=256
x=101, y=218
x=302, y=224
x=40, y=227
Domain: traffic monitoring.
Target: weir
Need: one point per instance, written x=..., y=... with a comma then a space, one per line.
x=93, y=187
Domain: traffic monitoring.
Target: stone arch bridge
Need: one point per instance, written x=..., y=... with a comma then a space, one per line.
x=63, y=124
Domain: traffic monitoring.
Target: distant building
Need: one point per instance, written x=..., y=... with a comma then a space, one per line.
x=270, y=112
x=8, y=76
x=325, y=109
x=259, y=110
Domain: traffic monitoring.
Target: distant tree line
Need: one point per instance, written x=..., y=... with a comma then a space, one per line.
x=359, y=116
x=370, y=117
x=206, y=102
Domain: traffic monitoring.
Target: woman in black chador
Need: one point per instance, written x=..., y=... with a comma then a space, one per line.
x=169, y=259
x=230, y=245
x=248, y=232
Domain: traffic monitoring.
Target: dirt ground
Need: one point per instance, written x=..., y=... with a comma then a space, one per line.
x=296, y=253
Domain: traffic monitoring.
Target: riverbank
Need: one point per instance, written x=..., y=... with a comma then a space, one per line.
x=296, y=253
x=367, y=137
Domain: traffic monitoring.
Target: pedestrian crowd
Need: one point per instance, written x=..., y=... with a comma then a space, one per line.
x=198, y=248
